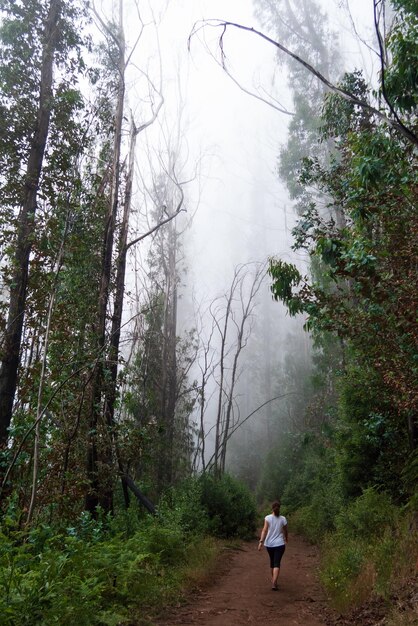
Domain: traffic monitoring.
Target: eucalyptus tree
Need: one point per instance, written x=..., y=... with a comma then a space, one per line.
x=373, y=260
x=303, y=28
x=40, y=50
x=115, y=245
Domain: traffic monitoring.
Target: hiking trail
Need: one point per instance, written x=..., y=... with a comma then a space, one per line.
x=240, y=591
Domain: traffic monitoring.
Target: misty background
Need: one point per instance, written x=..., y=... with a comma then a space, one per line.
x=238, y=210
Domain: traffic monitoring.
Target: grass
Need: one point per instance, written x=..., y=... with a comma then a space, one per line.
x=177, y=584
x=356, y=572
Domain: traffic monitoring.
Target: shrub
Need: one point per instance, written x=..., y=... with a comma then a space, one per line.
x=367, y=517
x=310, y=521
x=108, y=571
x=166, y=542
x=373, y=548
x=230, y=507
x=181, y=506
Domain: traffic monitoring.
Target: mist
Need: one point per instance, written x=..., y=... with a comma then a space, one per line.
x=238, y=211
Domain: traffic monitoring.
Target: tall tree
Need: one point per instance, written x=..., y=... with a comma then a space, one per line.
x=369, y=296
x=35, y=38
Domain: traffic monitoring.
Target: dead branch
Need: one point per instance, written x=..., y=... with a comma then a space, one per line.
x=223, y=25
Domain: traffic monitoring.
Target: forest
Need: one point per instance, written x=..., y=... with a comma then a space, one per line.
x=137, y=421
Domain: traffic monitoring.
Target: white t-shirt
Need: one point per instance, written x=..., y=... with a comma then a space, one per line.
x=275, y=534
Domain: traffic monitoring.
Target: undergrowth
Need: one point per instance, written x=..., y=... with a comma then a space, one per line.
x=113, y=571
x=372, y=552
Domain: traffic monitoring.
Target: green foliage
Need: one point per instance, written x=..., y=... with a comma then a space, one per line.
x=109, y=569
x=182, y=506
x=371, y=447
x=410, y=472
x=313, y=493
x=373, y=548
x=229, y=505
x=339, y=115
x=169, y=543
x=341, y=564
x=91, y=572
x=285, y=278
x=401, y=79
x=367, y=517
x=278, y=468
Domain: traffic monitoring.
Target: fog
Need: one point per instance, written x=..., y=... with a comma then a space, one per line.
x=237, y=210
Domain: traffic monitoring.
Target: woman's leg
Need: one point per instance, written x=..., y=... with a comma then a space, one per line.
x=271, y=557
x=275, y=576
x=278, y=553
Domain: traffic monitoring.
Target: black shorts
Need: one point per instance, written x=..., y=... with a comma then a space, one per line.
x=275, y=555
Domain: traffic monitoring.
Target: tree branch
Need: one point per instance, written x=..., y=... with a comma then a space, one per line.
x=223, y=24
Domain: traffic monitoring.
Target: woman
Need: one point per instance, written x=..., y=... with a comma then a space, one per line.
x=274, y=537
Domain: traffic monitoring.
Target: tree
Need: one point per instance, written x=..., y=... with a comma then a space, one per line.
x=231, y=325
x=161, y=397
x=42, y=35
x=369, y=296
x=104, y=381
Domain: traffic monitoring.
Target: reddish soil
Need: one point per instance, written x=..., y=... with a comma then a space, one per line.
x=241, y=593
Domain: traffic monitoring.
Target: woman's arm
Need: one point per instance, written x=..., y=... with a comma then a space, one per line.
x=263, y=534
x=286, y=536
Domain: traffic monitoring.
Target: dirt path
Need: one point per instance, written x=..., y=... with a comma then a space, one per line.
x=242, y=594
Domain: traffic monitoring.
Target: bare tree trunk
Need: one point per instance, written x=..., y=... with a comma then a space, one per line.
x=113, y=354
x=221, y=383
x=99, y=493
x=18, y=290
x=201, y=442
x=172, y=351
x=168, y=362
x=246, y=312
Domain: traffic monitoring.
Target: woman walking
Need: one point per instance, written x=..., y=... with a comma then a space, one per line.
x=274, y=537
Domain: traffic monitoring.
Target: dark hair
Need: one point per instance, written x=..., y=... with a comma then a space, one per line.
x=275, y=507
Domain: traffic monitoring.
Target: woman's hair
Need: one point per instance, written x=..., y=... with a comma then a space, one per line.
x=275, y=507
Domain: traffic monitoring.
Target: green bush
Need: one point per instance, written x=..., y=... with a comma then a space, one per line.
x=181, y=506
x=371, y=446
x=278, y=468
x=166, y=542
x=367, y=517
x=106, y=571
x=372, y=548
x=229, y=505
x=311, y=522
